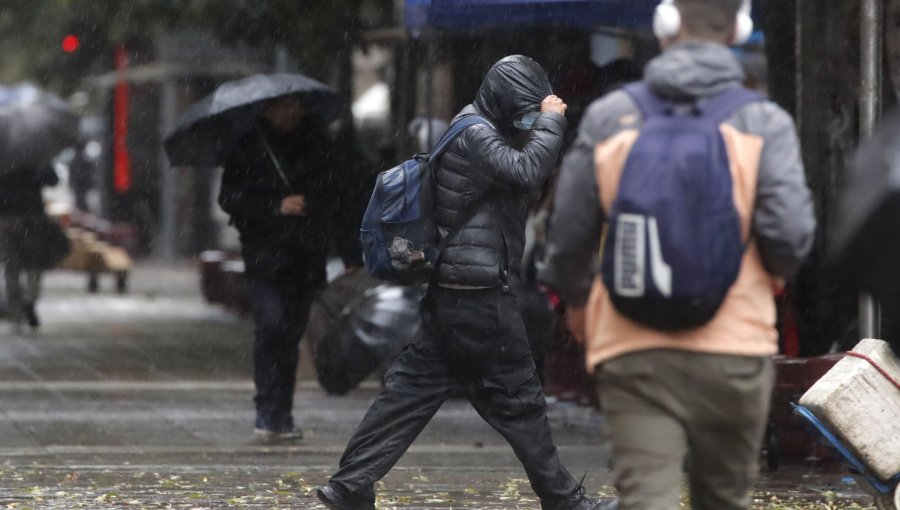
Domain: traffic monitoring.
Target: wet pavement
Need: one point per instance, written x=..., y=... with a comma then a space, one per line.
x=143, y=400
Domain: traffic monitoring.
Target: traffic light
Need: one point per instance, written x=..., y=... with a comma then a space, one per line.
x=82, y=49
x=71, y=43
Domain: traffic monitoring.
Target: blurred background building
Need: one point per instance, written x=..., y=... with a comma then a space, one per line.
x=131, y=67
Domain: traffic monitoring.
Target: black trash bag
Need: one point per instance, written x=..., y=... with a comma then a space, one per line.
x=386, y=319
x=358, y=326
x=330, y=337
x=341, y=360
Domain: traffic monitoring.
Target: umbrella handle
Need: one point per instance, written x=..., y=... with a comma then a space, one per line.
x=276, y=162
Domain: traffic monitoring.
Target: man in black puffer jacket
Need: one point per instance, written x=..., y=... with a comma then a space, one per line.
x=473, y=338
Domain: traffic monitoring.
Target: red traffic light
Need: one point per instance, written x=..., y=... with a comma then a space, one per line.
x=70, y=43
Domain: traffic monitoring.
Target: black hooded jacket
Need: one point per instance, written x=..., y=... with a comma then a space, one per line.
x=292, y=249
x=485, y=186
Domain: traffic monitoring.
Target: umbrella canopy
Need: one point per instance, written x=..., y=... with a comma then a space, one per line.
x=863, y=244
x=206, y=130
x=34, y=127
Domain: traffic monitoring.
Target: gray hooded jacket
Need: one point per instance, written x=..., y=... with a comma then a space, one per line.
x=783, y=218
x=485, y=186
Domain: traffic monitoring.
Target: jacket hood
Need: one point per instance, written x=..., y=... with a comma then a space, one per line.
x=691, y=70
x=513, y=86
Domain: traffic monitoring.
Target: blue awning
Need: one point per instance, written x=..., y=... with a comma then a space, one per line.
x=473, y=14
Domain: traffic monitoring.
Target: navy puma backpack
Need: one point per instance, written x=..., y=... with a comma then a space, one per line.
x=674, y=245
x=400, y=239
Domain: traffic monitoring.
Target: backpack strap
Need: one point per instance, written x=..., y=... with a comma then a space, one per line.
x=449, y=136
x=276, y=162
x=649, y=103
x=719, y=107
x=452, y=132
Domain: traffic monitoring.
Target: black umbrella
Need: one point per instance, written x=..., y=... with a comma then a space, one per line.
x=35, y=126
x=206, y=130
x=864, y=239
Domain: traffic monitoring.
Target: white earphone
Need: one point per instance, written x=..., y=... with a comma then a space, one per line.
x=667, y=21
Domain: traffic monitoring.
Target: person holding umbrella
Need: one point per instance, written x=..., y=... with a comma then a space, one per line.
x=34, y=127
x=292, y=193
x=279, y=188
x=26, y=232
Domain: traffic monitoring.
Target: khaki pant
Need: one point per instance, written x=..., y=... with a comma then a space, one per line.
x=664, y=406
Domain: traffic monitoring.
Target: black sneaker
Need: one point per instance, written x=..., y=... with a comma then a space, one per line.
x=598, y=504
x=31, y=315
x=335, y=499
x=277, y=429
x=579, y=500
x=583, y=502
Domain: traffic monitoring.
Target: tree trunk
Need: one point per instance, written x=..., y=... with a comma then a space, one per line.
x=826, y=98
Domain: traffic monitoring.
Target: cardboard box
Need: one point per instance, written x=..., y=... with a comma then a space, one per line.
x=861, y=406
x=89, y=254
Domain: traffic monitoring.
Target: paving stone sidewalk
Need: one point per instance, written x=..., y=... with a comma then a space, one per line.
x=144, y=401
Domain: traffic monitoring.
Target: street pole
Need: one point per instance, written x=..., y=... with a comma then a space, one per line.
x=168, y=249
x=871, y=29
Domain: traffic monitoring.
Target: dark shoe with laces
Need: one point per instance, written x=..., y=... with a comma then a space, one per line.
x=597, y=504
x=336, y=499
x=583, y=502
x=580, y=501
x=277, y=429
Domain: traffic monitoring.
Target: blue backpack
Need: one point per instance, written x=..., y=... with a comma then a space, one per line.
x=674, y=246
x=400, y=239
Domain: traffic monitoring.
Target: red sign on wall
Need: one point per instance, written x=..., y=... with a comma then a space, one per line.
x=121, y=158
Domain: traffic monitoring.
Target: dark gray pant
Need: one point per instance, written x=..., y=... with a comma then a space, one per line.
x=280, y=314
x=17, y=294
x=472, y=341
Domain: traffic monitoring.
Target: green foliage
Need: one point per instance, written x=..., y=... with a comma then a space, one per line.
x=27, y=43
x=313, y=31
x=33, y=32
